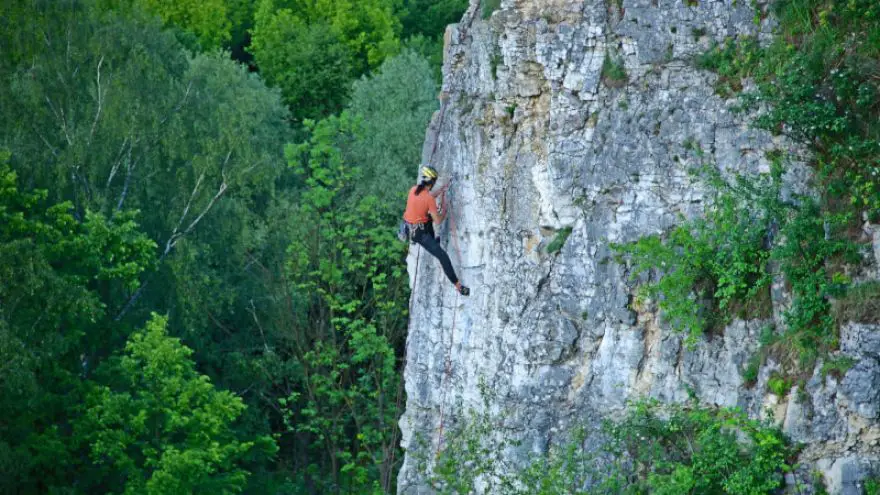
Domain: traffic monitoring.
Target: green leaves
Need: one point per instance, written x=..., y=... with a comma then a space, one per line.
x=208, y=20
x=162, y=426
x=313, y=50
x=60, y=276
x=344, y=269
x=707, y=266
x=654, y=448
x=816, y=85
x=690, y=449
x=154, y=181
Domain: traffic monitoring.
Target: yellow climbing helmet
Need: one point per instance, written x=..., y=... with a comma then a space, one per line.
x=429, y=173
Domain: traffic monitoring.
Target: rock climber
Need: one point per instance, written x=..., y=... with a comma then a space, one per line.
x=421, y=215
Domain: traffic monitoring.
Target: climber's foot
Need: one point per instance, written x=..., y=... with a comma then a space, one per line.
x=462, y=289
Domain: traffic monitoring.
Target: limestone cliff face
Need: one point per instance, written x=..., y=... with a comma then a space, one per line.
x=539, y=143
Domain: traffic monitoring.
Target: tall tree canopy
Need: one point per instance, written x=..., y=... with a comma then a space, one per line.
x=146, y=178
x=313, y=50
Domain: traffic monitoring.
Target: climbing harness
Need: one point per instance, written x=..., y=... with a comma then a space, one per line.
x=407, y=231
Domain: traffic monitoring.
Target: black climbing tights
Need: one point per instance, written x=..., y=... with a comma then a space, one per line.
x=425, y=237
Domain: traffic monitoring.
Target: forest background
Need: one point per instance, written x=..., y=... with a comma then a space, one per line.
x=200, y=285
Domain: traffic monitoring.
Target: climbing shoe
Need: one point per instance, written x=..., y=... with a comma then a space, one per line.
x=463, y=290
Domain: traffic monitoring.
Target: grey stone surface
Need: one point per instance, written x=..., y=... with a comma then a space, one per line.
x=539, y=142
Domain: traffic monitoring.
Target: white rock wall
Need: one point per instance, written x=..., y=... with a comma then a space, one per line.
x=537, y=142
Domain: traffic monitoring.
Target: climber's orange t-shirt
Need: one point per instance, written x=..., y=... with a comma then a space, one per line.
x=418, y=207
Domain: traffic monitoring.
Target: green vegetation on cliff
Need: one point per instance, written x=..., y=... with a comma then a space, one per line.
x=653, y=448
x=818, y=84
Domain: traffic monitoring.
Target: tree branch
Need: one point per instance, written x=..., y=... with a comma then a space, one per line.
x=46, y=142
x=100, y=101
x=61, y=119
x=253, y=311
x=179, y=105
x=116, y=165
x=129, y=167
x=177, y=235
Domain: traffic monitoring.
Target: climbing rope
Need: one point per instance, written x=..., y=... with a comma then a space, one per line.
x=448, y=361
x=446, y=374
x=402, y=382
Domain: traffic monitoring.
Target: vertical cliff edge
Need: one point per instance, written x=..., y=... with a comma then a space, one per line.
x=552, y=163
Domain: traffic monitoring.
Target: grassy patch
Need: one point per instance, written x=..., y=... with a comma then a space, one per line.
x=613, y=71
x=652, y=448
x=778, y=385
x=837, y=367
x=496, y=60
x=487, y=7
x=860, y=304
x=559, y=241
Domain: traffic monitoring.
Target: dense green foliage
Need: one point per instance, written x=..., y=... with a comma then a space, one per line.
x=146, y=177
x=60, y=275
x=160, y=427
x=208, y=20
x=817, y=83
x=313, y=50
x=687, y=449
x=428, y=17
x=677, y=449
x=345, y=266
x=712, y=265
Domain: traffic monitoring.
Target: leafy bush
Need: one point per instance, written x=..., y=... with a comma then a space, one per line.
x=677, y=449
x=708, y=266
x=778, y=385
x=559, y=240
x=860, y=304
x=753, y=366
x=613, y=71
x=810, y=240
x=690, y=449
x=487, y=7
x=817, y=84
